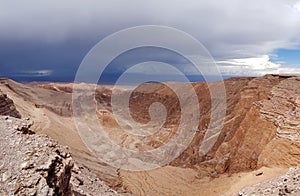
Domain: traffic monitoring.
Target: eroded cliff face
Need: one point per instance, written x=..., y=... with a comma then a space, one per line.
x=283, y=110
x=244, y=137
x=260, y=128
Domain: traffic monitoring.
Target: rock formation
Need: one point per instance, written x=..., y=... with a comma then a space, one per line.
x=51, y=112
x=261, y=128
x=7, y=106
x=33, y=164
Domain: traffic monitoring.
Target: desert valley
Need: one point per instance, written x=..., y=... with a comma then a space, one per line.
x=257, y=151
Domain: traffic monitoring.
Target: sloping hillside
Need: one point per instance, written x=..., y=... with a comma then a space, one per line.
x=261, y=129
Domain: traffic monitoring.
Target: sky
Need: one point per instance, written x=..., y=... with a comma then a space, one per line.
x=47, y=40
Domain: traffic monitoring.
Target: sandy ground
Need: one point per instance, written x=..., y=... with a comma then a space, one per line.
x=178, y=181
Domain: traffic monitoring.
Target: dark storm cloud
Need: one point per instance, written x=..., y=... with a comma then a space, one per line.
x=55, y=35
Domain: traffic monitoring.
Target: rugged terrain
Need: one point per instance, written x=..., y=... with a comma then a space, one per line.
x=33, y=164
x=260, y=132
x=288, y=184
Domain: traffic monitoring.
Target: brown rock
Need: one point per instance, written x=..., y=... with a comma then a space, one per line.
x=223, y=165
x=47, y=169
x=7, y=107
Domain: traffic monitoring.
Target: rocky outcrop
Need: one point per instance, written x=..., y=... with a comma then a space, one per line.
x=7, y=106
x=51, y=111
x=85, y=182
x=288, y=184
x=282, y=109
x=32, y=164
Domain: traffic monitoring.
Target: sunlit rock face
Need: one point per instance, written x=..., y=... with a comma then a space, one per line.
x=260, y=127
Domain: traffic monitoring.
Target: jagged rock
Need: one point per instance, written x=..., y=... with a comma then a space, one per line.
x=33, y=164
x=7, y=106
x=288, y=184
x=23, y=153
x=84, y=182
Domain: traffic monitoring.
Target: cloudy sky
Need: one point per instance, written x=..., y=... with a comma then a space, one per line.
x=48, y=39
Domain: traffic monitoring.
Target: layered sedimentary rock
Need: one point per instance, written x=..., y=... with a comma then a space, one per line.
x=260, y=128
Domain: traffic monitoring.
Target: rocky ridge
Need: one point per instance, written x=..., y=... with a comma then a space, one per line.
x=50, y=110
x=33, y=164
